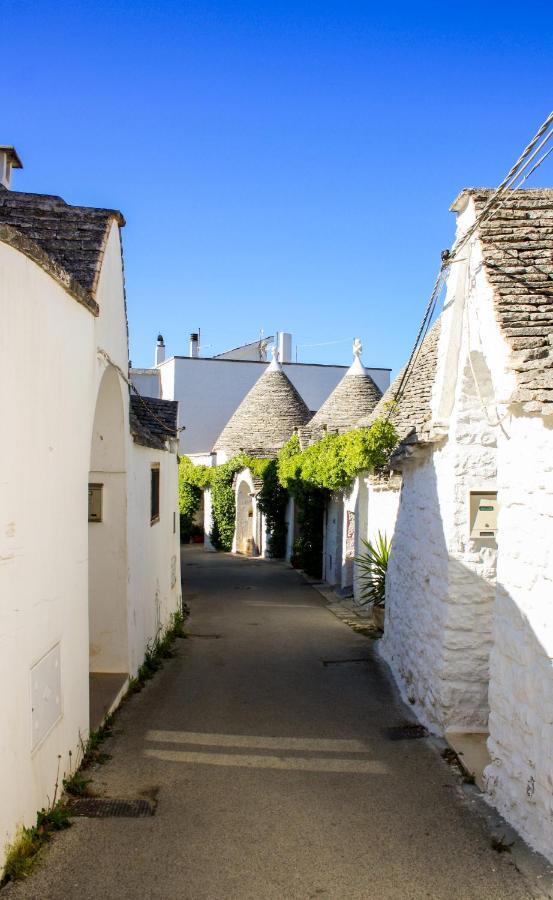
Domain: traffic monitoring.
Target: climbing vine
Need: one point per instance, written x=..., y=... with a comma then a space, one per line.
x=334, y=461
x=272, y=500
x=309, y=475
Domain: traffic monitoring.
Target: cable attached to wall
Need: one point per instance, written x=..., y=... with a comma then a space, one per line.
x=134, y=388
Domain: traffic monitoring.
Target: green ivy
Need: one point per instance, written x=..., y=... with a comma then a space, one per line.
x=334, y=462
x=272, y=500
x=191, y=481
x=330, y=464
x=223, y=503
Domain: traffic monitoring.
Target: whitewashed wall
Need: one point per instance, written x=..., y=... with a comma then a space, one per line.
x=441, y=585
x=53, y=378
x=44, y=458
x=520, y=778
x=154, y=551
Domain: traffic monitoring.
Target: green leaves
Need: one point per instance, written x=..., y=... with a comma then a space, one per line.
x=335, y=461
x=372, y=567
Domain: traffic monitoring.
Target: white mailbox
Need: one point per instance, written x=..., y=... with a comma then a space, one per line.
x=483, y=515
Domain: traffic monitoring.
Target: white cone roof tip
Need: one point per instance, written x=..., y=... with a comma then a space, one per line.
x=355, y=394
x=274, y=365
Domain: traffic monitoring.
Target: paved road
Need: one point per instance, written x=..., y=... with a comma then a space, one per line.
x=274, y=773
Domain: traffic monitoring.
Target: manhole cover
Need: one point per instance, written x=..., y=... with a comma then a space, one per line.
x=407, y=732
x=105, y=807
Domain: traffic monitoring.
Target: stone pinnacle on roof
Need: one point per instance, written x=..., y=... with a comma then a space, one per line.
x=356, y=395
x=266, y=417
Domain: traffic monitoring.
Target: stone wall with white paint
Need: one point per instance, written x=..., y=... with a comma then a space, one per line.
x=441, y=584
x=520, y=777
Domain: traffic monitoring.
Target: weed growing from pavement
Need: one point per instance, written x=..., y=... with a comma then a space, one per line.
x=161, y=648
x=24, y=852
x=76, y=785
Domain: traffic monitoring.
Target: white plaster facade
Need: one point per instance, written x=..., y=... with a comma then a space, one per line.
x=74, y=594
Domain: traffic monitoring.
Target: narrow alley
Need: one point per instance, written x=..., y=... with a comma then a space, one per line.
x=266, y=743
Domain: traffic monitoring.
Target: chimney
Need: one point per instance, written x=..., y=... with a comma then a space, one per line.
x=160, y=350
x=8, y=160
x=194, y=345
x=284, y=347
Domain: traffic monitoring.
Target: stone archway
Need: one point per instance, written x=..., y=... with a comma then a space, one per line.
x=107, y=550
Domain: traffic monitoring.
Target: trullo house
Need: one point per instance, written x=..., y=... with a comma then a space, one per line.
x=469, y=612
x=263, y=422
x=89, y=565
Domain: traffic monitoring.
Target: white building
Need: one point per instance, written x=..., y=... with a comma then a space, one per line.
x=88, y=530
x=469, y=613
x=210, y=389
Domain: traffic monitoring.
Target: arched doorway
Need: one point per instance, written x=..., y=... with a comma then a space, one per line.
x=245, y=542
x=107, y=550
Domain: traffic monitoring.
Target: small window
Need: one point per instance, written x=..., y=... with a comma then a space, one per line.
x=154, y=495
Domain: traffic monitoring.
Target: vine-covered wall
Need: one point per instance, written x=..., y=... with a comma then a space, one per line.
x=309, y=475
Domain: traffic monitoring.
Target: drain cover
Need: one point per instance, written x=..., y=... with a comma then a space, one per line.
x=344, y=662
x=209, y=637
x=105, y=807
x=407, y=732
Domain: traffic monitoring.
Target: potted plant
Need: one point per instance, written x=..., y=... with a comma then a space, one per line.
x=372, y=566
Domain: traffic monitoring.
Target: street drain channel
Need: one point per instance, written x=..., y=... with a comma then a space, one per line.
x=407, y=732
x=345, y=662
x=106, y=808
x=206, y=637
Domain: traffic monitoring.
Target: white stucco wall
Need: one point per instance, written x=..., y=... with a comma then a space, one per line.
x=154, y=551
x=441, y=584
x=46, y=391
x=210, y=390
x=520, y=778
x=52, y=374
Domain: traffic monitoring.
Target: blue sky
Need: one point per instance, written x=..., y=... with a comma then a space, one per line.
x=280, y=165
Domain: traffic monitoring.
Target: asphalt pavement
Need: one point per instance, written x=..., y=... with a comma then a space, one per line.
x=283, y=766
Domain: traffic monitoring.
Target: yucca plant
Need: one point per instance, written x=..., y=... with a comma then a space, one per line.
x=372, y=566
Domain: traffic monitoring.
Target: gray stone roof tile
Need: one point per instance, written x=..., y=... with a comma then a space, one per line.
x=153, y=421
x=517, y=246
x=411, y=415
x=72, y=237
x=266, y=417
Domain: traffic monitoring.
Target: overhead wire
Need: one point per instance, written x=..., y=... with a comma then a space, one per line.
x=492, y=206
x=105, y=355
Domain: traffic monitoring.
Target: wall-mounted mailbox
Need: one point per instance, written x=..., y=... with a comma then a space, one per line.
x=95, y=502
x=483, y=515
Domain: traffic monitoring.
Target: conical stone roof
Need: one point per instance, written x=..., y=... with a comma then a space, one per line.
x=354, y=397
x=412, y=413
x=266, y=417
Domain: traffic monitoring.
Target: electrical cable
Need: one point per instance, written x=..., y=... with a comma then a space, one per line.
x=490, y=208
x=142, y=399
